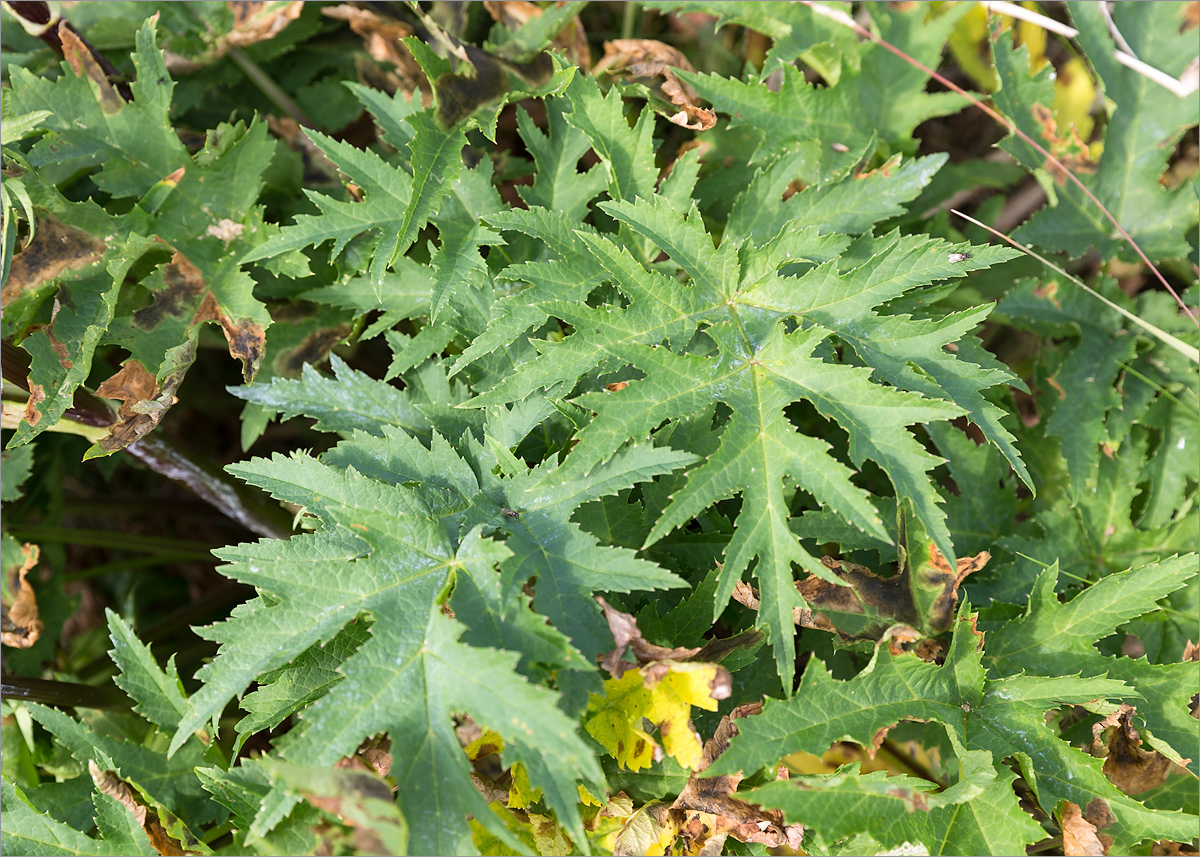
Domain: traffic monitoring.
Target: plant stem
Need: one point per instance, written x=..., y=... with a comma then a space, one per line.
x=629, y=19
x=130, y=565
x=64, y=694
x=107, y=539
x=269, y=88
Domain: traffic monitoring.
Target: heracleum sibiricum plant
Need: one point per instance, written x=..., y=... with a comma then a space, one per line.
x=708, y=445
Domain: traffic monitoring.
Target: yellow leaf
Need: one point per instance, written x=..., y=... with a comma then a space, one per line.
x=485, y=745
x=663, y=693
x=521, y=794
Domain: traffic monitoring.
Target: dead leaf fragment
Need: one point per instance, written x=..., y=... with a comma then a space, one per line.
x=256, y=21
x=1080, y=836
x=381, y=37
x=571, y=40
x=652, y=63
x=144, y=403
x=20, y=626
x=708, y=810
x=109, y=783
x=628, y=637
x=1129, y=767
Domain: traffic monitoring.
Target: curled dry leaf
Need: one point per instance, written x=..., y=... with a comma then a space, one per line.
x=381, y=37
x=256, y=21
x=651, y=63
x=1080, y=831
x=147, y=817
x=1129, y=767
x=708, y=811
x=571, y=40
x=628, y=637
x=144, y=403
x=20, y=626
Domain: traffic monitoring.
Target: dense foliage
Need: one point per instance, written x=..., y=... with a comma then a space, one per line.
x=677, y=473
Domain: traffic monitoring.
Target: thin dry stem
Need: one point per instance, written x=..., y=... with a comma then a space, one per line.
x=1011, y=127
x=1180, y=346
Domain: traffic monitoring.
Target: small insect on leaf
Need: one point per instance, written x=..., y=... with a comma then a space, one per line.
x=959, y=257
x=615, y=386
x=510, y=513
x=839, y=147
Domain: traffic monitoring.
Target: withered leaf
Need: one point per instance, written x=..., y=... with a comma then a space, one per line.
x=109, y=783
x=258, y=20
x=144, y=403
x=20, y=626
x=514, y=14
x=650, y=62
x=381, y=37
x=1129, y=767
x=1081, y=836
x=628, y=636
x=706, y=807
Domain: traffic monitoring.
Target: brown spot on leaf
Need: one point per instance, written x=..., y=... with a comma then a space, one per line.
x=182, y=285
x=20, y=626
x=37, y=394
x=1191, y=16
x=315, y=348
x=1070, y=151
x=652, y=63
x=1166, y=848
x=55, y=249
x=938, y=574
x=85, y=64
x=246, y=338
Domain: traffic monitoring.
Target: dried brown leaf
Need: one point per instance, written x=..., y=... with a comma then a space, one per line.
x=109, y=783
x=1080, y=836
x=20, y=626
x=652, y=63
x=707, y=809
x=144, y=403
x=571, y=40
x=381, y=37
x=1129, y=767
x=628, y=636
x=258, y=20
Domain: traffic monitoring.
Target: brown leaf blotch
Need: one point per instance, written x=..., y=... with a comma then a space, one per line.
x=56, y=248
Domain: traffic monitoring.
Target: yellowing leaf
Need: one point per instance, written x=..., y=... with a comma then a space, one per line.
x=522, y=794
x=663, y=693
